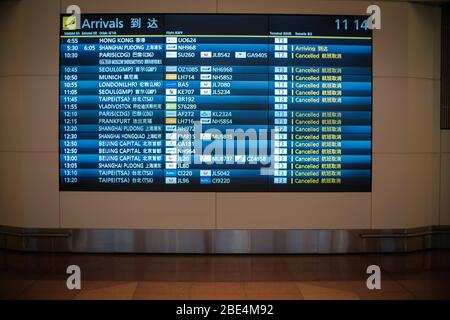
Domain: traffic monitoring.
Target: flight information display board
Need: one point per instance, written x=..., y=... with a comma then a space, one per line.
x=215, y=102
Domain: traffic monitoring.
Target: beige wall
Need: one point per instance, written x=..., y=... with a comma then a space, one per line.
x=445, y=179
x=407, y=141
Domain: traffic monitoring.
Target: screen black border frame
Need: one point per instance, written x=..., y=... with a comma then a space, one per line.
x=224, y=191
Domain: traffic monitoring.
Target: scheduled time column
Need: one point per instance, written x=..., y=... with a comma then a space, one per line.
x=114, y=122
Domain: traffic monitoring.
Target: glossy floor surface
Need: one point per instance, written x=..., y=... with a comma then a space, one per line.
x=421, y=275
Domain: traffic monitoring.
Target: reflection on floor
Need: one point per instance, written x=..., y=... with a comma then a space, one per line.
x=421, y=275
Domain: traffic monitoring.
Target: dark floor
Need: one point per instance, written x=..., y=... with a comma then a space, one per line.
x=421, y=275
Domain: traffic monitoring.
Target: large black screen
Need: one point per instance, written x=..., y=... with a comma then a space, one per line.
x=208, y=102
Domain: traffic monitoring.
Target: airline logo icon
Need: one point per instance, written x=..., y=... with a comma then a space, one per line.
x=171, y=136
x=171, y=180
x=171, y=158
x=171, y=150
x=206, y=136
x=205, y=158
x=240, y=55
x=205, y=84
x=205, y=54
x=171, y=91
x=171, y=113
x=171, y=106
x=171, y=68
x=239, y=158
x=205, y=76
x=171, y=173
x=171, y=143
x=171, y=40
x=171, y=76
x=171, y=84
x=171, y=120
x=205, y=92
x=205, y=113
x=171, y=98
x=205, y=173
x=171, y=128
x=171, y=165
x=205, y=120
x=205, y=69
x=171, y=54
x=171, y=47
x=204, y=180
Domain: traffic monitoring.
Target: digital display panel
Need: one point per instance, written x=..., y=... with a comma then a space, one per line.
x=215, y=102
